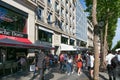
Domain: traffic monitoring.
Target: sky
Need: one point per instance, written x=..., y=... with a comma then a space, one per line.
x=83, y=3
x=117, y=35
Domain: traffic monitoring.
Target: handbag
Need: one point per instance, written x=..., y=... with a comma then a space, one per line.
x=32, y=67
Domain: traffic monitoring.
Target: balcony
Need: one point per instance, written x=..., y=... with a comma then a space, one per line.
x=57, y=1
x=35, y=1
x=41, y=2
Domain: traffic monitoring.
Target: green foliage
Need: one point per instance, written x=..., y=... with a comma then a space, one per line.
x=106, y=9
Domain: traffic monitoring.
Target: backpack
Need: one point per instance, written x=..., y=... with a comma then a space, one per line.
x=115, y=62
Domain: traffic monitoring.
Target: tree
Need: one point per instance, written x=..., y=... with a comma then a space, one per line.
x=96, y=54
x=93, y=16
x=105, y=11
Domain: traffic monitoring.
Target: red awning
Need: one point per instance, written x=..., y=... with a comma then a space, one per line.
x=24, y=40
x=19, y=42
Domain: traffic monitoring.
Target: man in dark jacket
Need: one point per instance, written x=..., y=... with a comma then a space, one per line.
x=115, y=62
x=40, y=64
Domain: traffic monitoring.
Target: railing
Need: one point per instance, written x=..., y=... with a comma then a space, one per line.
x=35, y=1
x=40, y=1
x=57, y=1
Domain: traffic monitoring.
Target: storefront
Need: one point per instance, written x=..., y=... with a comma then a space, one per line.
x=14, y=41
x=45, y=38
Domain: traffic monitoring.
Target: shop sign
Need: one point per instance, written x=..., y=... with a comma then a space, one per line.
x=43, y=43
x=12, y=33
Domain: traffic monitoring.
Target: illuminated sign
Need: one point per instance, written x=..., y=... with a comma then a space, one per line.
x=12, y=33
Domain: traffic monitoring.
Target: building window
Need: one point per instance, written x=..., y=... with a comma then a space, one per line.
x=40, y=13
x=57, y=22
x=49, y=17
x=44, y=36
x=72, y=42
x=56, y=7
x=64, y=40
x=62, y=25
x=62, y=11
x=11, y=20
x=49, y=1
x=82, y=43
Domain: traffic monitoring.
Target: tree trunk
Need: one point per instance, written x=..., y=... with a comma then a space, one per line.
x=102, y=58
x=96, y=54
x=105, y=46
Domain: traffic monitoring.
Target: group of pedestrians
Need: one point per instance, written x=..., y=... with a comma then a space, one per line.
x=71, y=63
x=43, y=61
x=68, y=63
x=113, y=65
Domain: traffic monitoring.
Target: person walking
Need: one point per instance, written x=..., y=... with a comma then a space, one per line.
x=41, y=64
x=35, y=63
x=91, y=64
x=22, y=62
x=69, y=64
x=115, y=63
x=61, y=59
x=79, y=64
x=109, y=66
x=118, y=66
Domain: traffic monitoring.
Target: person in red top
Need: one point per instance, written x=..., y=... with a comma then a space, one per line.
x=79, y=64
x=61, y=59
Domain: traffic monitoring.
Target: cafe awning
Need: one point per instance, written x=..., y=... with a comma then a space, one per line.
x=13, y=43
x=19, y=39
x=65, y=47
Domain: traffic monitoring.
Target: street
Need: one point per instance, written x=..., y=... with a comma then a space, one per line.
x=53, y=74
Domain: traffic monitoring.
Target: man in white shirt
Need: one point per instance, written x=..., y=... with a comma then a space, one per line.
x=109, y=67
x=118, y=66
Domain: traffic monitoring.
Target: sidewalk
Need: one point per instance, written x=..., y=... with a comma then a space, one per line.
x=53, y=74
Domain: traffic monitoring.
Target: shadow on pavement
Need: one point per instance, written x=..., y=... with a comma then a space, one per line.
x=102, y=77
x=87, y=74
x=15, y=76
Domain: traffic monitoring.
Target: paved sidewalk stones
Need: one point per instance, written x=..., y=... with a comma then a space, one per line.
x=53, y=74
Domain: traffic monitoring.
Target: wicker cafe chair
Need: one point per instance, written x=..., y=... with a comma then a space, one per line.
x=1, y=68
x=7, y=68
x=14, y=67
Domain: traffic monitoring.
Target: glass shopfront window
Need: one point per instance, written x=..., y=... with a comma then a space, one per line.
x=11, y=20
x=72, y=42
x=44, y=36
x=64, y=40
